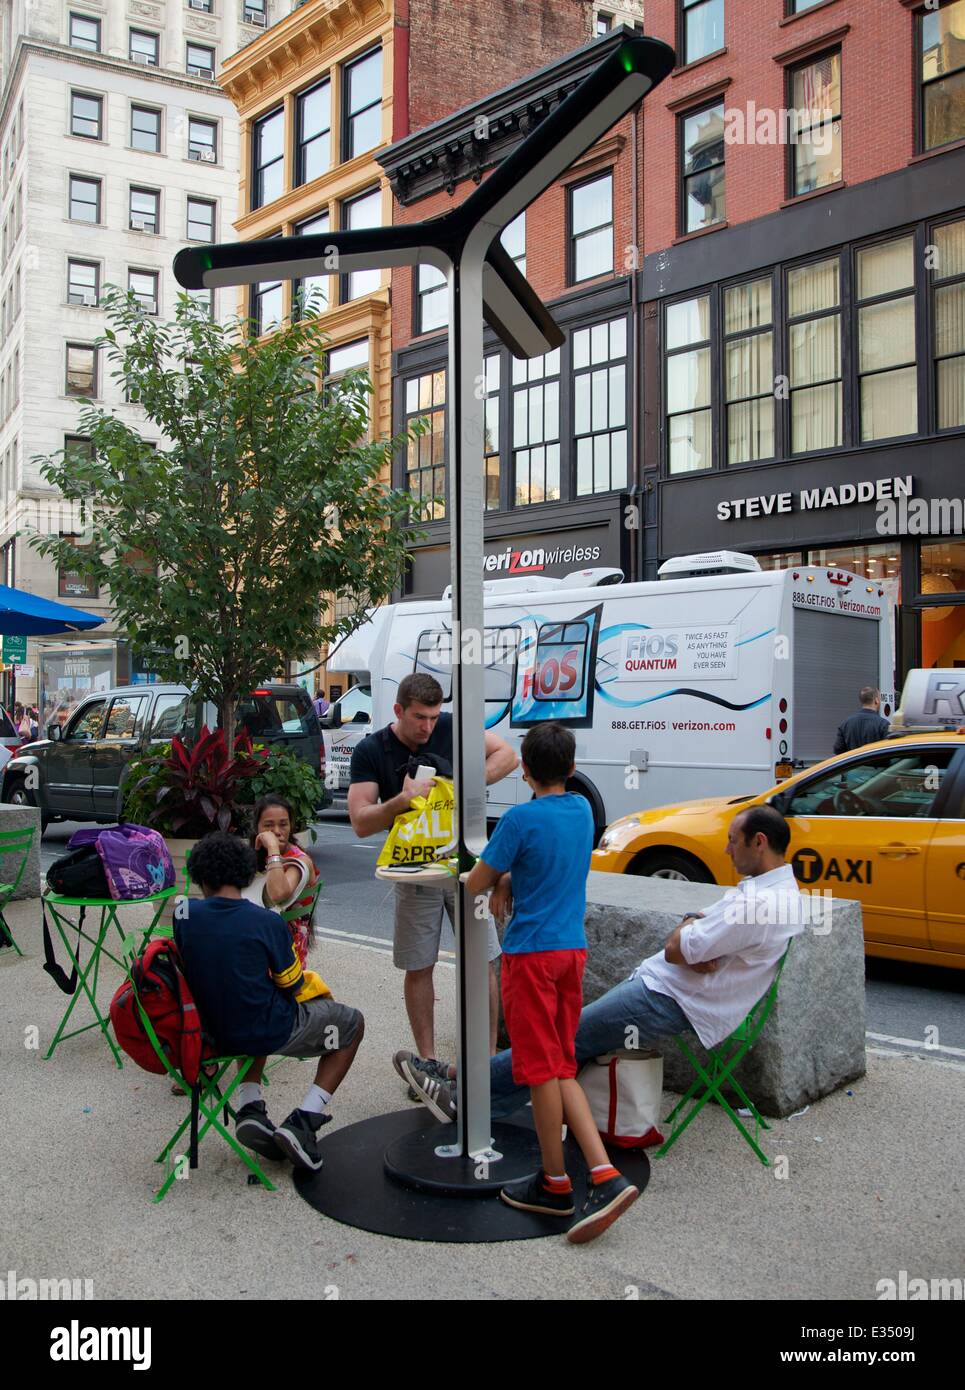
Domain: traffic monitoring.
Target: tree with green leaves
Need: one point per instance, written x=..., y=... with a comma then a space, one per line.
x=263, y=495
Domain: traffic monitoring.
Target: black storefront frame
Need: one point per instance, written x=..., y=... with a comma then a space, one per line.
x=922, y=232
x=580, y=309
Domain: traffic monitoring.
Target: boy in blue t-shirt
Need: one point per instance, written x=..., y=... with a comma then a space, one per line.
x=539, y=858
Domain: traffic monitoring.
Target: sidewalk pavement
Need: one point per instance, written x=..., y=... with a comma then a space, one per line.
x=873, y=1185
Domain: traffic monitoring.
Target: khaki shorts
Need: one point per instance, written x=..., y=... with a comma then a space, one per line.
x=419, y=910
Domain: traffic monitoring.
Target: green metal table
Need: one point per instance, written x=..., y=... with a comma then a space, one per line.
x=87, y=975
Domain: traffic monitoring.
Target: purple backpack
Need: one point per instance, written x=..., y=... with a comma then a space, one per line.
x=136, y=859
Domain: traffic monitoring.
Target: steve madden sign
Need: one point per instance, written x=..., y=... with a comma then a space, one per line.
x=815, y=499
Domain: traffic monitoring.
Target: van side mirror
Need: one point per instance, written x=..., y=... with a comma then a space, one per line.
x=54, y=732
x=334, y=718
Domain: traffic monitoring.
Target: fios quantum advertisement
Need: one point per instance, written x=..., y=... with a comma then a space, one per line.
x=556, y=669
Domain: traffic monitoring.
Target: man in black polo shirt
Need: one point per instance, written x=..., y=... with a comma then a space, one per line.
x=867, y=726
x=382, y=787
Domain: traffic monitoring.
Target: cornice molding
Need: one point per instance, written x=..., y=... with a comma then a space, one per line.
x=470, y=142
x=26, y=47
x=813, y=46
x=313, y=32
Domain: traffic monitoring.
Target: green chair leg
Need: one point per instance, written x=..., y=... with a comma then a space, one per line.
x=722, y=1062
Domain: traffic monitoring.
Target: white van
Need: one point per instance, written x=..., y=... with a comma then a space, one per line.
x=716, y=679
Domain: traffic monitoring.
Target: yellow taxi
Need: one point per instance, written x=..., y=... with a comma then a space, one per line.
x=884, y=824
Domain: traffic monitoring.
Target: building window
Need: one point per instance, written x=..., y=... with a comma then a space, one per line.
x=311, y=293
x=591, y=229
x=267, y=305
x=207, y=6
x=256, y=12
x=76, y=583
x=814, y=359
x=144, y=210
x=702, y=168
x=513, y=241
x=339, y=361
x=700, y=28
x=943, y=610
x=749, y=371
x=81, y=370
x=425, y=398
x=364, y=211
x=199, y=60
x=888, y=377
x=200, y=220
x=362, y=128
x=491, y=453
x=203, y=140
x=85, y=33
x=941, y=37
x=600, y=406
x=948, y=279
x=799, y=6
x=86, y=115
x=313, y=147
x=143, y=47
x=145, y=129
x=85, y=199
x=142, y=284
x=203, y=298
x=268, y=146
x=689, y=405
x=433, y=297
x=83, y=283
x=603, y=24
x=815, y=99
x=536, y=429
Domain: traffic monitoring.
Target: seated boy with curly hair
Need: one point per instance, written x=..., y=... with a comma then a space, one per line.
x=255, y=1000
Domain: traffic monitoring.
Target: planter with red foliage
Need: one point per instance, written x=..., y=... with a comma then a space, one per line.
x=186, y=792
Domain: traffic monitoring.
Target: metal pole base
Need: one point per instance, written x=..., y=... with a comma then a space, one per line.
x=429, y=1160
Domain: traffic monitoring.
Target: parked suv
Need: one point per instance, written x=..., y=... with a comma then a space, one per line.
x=80, y=765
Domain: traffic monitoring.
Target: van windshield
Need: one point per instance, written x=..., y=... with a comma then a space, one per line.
x=271, y=715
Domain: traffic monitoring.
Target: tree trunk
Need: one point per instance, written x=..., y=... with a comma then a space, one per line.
x=226, y=714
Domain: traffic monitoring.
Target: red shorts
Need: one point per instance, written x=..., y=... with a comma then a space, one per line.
x=542, y=999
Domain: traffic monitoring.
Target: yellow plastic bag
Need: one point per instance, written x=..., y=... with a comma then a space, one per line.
x=421, y=834
x=314, y=987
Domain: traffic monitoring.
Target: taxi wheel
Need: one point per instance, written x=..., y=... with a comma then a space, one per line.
x=670, y=864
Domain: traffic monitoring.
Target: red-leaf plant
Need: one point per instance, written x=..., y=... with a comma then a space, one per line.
x=201, y=784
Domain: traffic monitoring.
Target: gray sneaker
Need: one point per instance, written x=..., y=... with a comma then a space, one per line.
x=429, y=1065
x=430, y=1080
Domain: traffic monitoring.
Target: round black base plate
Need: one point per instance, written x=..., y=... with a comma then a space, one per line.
x=354, y=1188
x=412, y=1160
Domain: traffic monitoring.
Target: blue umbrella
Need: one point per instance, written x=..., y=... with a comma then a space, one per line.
x=25, y=615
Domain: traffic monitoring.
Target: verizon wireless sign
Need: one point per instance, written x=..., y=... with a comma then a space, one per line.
x=815, y=499
x=522, y=559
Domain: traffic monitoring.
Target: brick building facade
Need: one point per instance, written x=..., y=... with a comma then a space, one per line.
x=784, y=248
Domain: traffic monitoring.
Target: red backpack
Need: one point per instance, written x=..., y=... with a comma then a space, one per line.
x=164, y=996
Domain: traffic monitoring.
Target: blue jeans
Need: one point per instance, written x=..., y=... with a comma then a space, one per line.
x=603, y=1028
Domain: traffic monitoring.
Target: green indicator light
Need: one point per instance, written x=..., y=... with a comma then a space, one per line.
x=206, y=262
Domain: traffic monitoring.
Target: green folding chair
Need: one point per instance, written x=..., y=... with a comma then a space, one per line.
x=719, y=1072
x=17, y=842
x=208, y=1097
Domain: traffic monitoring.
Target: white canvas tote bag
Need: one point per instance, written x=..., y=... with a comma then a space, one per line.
x=625, y=1091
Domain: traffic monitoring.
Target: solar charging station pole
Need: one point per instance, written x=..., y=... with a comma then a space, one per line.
x=484, y=284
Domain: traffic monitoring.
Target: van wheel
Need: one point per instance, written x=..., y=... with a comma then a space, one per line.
x=672, y=864
x=17, y=795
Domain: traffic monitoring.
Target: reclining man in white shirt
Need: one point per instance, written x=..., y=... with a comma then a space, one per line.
x=714, y=968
